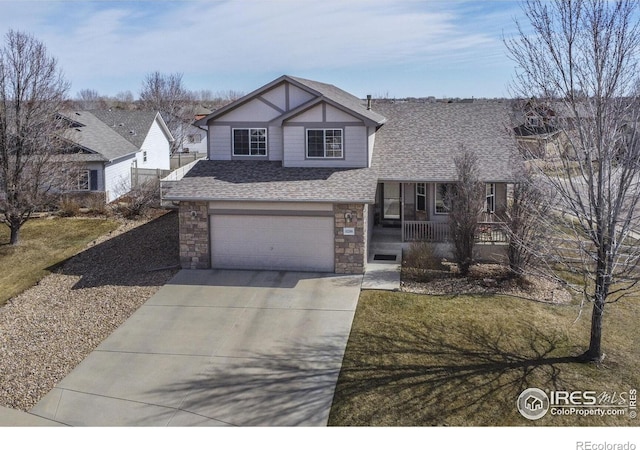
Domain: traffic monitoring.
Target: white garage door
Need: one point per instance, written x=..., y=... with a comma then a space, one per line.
x=272, y=242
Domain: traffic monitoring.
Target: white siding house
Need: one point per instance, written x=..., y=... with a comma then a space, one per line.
x=112, y=143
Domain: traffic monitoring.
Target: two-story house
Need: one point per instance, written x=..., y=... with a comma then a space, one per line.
x=300, y=173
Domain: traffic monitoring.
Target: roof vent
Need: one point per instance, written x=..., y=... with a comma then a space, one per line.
x=369, y=102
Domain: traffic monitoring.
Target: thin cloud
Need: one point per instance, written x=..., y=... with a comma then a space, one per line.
x=101, y=43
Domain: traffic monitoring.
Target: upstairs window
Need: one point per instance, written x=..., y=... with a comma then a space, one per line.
x=250, y=142
x=194, y=139
x=534, y=121
x=325, y=143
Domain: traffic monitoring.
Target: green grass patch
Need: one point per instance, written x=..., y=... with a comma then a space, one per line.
x=43, y=244
x=417, y=360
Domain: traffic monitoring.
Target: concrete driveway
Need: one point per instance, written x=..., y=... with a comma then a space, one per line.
x=217, y=348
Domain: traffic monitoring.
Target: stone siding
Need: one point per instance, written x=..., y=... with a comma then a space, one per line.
x=350, y=251
x=194, y=235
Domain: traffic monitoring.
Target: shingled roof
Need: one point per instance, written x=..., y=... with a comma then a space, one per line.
x=96, y=137
x=269, y=181
x=322, y=91
x=111, y=134
x=340, y=97
x=420, y=140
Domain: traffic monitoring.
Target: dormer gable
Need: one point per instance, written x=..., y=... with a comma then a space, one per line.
x=288, y=96
x=300, y=122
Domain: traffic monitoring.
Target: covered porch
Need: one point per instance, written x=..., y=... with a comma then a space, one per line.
x=416, y=211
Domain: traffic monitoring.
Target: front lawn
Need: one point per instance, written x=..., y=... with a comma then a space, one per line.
x=44, y=243
x=418, y=360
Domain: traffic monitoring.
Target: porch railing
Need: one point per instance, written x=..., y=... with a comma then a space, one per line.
x=415, y=230
x=491, y=232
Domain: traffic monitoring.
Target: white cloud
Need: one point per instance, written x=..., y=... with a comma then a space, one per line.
x=101, y=43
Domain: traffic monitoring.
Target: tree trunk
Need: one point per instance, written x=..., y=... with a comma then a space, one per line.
x=15, y=234
x=594, y=353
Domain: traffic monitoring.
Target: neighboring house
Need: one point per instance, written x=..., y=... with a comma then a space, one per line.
x=537, y=133
x=300, y=173
x=194, y=140
x=110, y=143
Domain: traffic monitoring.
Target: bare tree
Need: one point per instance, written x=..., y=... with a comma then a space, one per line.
x=89, y=99
x=32, y=90
x=167, y=94
x=465, y=200
x=581, y=57
x=524, y=219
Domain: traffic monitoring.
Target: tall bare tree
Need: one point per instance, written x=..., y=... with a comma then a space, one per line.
x=465, y=200
x=524, y=219
x=167, y=94
x=32, y=91
x=580, y=57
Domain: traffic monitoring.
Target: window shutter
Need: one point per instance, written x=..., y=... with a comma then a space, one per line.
x=93, y=180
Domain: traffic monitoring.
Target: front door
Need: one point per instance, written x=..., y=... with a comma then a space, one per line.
x=392, y=199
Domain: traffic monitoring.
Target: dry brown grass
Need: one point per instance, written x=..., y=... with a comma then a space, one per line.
x=43, y=244
x=463, y=360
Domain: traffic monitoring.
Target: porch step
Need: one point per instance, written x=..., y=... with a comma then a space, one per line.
x=385, y=248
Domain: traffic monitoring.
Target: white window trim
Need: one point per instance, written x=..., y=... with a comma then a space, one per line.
x=82, y=173
x=424, y=195
x=324, y=140
x=435, y=200
x=249, y=129
x=534, y=121
x=490, y=192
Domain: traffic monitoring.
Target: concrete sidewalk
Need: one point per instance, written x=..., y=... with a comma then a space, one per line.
x=217, y=348
x=14, y=418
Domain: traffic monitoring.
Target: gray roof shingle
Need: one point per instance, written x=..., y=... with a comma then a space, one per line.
x=420, y=140
x=96, y=136
x=131, y=125
x=269, y=181
x=323, y=91
x=342, y=98
x=112, y=134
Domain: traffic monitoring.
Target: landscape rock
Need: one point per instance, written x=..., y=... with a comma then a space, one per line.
x=46, y=331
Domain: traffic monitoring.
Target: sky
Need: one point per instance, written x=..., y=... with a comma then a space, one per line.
x=394, y=49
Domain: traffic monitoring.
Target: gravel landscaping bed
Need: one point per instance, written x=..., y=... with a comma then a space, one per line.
x=482, y=279
x=49, y=329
